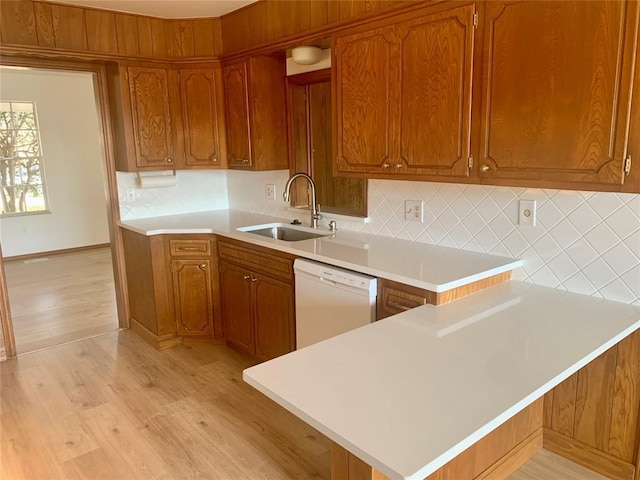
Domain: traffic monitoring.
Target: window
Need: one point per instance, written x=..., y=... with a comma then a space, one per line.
x=21, y=172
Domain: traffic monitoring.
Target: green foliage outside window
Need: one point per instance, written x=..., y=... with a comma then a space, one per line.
x=21, y=175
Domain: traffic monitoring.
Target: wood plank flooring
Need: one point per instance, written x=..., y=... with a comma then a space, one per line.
x=69, y=297
x=111, y=407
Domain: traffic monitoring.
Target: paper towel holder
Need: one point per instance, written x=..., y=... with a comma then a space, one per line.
x=140, y=176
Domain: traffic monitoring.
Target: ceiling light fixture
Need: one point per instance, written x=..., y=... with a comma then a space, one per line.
x=306, y=54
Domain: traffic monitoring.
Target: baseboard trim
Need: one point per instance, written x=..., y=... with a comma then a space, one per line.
x=514, y=459
x=30, y=256
x=158, y=342
x=587, y=456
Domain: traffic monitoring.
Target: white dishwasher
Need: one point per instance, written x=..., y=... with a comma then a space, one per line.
x=331, y=301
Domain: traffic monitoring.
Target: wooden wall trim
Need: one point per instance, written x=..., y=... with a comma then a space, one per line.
x=583, y=454
x=5, y=314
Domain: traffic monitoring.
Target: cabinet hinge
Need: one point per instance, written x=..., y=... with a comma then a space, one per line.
x=627, y=165
x=475, y=19
x=470, y=161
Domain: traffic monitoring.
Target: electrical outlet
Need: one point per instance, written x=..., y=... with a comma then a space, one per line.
x=527, y=213
x=131, y=195
x=270, y=191
x=414, y=211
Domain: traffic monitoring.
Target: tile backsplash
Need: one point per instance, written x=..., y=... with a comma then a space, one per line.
x=585, y=242
x=195, y=191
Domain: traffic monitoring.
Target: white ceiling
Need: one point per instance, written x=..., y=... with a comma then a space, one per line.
x=165, y=8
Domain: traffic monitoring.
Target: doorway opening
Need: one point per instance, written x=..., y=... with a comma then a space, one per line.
x=61, y=248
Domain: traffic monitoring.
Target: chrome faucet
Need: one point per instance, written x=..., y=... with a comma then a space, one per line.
x=315, y=215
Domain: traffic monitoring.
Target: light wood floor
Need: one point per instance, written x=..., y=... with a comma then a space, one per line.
x=69, y=297
x=111, y=407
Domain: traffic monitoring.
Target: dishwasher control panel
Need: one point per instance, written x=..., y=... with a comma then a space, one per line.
x=346, y=278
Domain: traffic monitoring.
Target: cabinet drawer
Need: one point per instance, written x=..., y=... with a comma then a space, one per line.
x=264, y=261
x=190, y=248
x=394, y=300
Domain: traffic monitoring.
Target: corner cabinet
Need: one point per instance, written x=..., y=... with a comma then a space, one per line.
x=255, y=113
x=194, y=277
x=257, y=299
x=556, y=91
x=403, y=97
x=166, y=117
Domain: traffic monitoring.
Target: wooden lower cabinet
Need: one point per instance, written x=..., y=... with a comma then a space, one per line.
x=173, y=287
x=237, y=308
x=193, y=296
x=257, y=299
x=274, y=314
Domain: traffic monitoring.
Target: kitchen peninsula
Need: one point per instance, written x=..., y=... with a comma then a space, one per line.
x=419, y=391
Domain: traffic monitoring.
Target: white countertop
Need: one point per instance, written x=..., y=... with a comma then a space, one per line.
x=431, y=267
x=411, y=392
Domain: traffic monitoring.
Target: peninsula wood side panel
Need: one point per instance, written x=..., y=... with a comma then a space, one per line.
x=494, y=457
x=593, y=417
x=104, y=32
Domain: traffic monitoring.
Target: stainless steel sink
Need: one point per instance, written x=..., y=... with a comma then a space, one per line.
x=283, y=232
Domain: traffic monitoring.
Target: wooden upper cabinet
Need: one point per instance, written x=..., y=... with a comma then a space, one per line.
x=436, y=63
x=255, y=113
x=237, y=115
x=200, y=95
x=403, y=97
x=152, y=121
x=556, y=86
x=363, y=89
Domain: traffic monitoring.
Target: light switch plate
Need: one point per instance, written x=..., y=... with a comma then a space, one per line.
x=527, y=213
x=270, y=191
x=414, y=211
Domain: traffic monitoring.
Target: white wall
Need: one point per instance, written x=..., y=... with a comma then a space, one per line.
x=585, y=242
x=73, y=163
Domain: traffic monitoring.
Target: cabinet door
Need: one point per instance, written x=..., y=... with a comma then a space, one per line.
x=236, y=96
x=554, y=79
x=200, y=117
x=436, y=55
x=274, y=317
x=363, y=94
x=192, y=291
x=237, y=310
x=151, y=115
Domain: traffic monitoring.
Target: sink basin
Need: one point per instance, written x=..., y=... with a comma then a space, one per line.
x=283, y=232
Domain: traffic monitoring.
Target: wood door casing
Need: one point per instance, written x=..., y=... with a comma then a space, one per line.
x=274, y=317
x=151, y=116
x=192, y=293
x=363, y=79
x=236, y=293
x=238, y=125
x=198, y=93
x=436, y=55
x=552, y=85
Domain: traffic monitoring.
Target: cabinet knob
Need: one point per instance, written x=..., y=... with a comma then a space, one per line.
x=485, y=168
x=398, y=165
x=202, y=267
x=385, y=165
x=246, y=160
x=247, y=277
x=254, y=279
x=169, y=160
